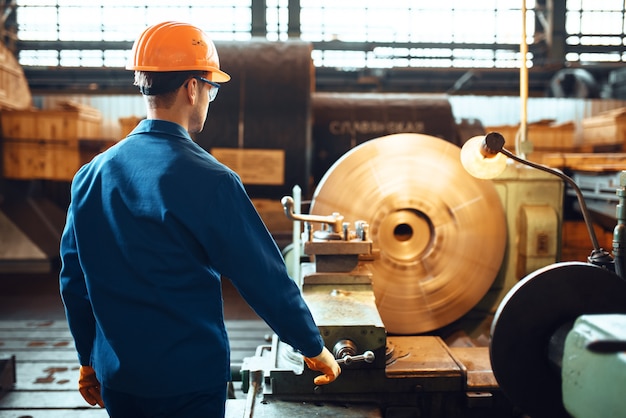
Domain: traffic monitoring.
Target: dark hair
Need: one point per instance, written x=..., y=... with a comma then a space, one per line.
x=152, y=83
x=160, y=88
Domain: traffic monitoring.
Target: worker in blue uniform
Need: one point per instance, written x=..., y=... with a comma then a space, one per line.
x=153, y=224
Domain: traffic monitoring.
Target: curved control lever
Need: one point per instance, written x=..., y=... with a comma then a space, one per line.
x=334, y=221
x=367, y=357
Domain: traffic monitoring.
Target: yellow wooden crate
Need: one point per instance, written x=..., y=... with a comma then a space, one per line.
x=586, y=161
x=127, y=124
x=605, y=128
x=507, y=131
x=544, y=135
x=547, y=135
x=577, y=243
x=49, y=160
x=50, y=125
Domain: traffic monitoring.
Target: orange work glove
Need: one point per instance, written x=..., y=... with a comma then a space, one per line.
x=324, y=362
x=89, y=387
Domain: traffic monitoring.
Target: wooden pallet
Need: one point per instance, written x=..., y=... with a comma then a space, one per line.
x=47, y=366
x=14, y=90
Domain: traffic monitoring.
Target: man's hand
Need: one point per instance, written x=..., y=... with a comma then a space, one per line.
x=89, y=387
x=324, y=362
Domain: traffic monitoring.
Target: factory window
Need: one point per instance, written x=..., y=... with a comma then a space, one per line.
x=122, y=20
x=277, y=20
x=348, y=34
x=405, y=33
x=595, y=31
x=77, y=29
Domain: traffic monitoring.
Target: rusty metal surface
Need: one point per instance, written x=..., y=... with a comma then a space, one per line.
x=422, y=356
x=476, y=365
x=436, y=254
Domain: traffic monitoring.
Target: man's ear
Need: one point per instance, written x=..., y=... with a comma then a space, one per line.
x=192, y=91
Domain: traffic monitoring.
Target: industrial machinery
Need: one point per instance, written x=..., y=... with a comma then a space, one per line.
x=391, y=268
x=393, y=271
x=558, y=337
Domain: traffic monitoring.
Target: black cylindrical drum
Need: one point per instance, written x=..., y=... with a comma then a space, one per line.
x=259, y=125
x=342, y=121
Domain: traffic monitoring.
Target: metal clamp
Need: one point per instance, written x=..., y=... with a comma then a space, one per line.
x=344, y=351
x=334, y=221
x=367, y=357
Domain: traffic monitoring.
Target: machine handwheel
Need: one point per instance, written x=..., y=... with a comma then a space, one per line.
x=528, y=318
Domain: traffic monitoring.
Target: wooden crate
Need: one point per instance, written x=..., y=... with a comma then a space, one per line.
x=50, y=160
x=605, y=128
x=507, y=131
x=273, y=215
x=548, y=135
x=14, y=91
x=576, y=243
x=127, y=124
x=36, y=125
x=50, y=125
x=583, y=161
x=45, y=144
x=544, y=135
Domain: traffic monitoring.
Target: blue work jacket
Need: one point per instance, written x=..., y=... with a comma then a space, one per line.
x=153, y=224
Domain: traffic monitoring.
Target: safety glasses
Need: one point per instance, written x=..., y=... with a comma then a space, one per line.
x=214, y=87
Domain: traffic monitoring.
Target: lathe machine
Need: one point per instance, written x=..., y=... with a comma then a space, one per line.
x=395, y=279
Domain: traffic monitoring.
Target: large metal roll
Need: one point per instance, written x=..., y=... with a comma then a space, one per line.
x=438, y=233
x=262, y=117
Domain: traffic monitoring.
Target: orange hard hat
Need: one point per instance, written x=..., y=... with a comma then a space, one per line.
x=176, y=46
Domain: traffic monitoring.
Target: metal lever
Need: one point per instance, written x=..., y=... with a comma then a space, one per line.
x=367, y=357
x=334, y=221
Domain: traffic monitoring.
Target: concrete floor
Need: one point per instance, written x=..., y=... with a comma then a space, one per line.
x=34, y=330
x=36, y=297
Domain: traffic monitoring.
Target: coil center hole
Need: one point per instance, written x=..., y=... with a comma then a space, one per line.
x=403, y=232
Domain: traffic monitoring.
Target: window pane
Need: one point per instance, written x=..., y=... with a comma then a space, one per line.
x=438, y=33
x=120, y=20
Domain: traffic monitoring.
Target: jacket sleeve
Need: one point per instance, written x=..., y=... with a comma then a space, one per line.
x=242, y=249
x=74, y=294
